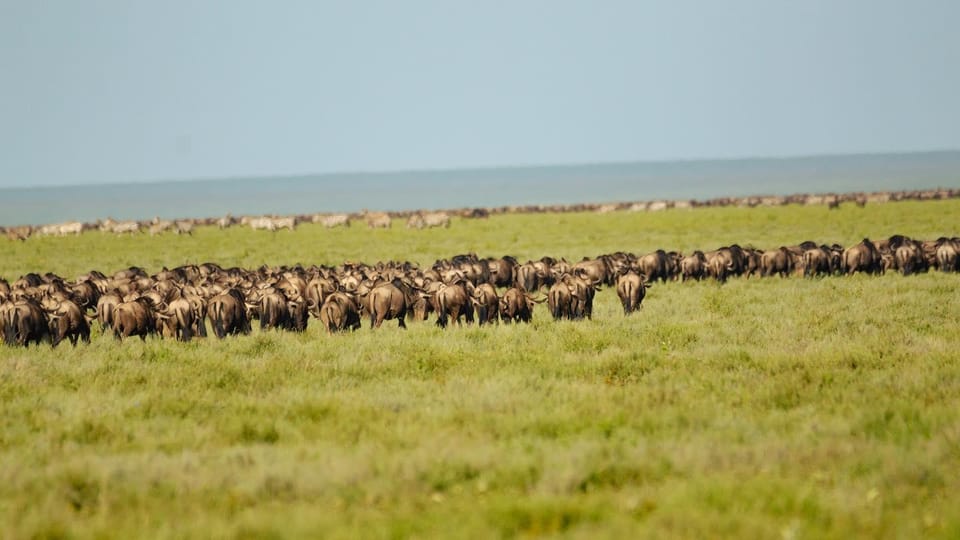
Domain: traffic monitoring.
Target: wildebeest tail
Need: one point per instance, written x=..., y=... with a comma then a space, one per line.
x=10, y=329
x=331, y=319
x=218, y=320
x=442, y=309
x=555, y=308
x=185, y=328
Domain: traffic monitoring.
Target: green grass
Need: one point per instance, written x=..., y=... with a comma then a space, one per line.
x=788, y=408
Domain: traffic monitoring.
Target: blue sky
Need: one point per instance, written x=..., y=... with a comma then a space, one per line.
x=125, y=91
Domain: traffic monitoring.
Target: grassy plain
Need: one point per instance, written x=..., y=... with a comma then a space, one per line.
x=788, y=408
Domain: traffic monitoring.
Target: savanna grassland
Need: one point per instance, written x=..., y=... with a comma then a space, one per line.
x=794, y=408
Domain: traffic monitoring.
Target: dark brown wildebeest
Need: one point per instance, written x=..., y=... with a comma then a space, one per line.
x=316, y=291
x=516, y=305
x=909, y=257
x=816, y=262
x=134, y=318
x=502, y=271
x=383, y=301
x=718, y=266
x=752, y=261
x=631, y=290
x=66, y=321
x=863, y=257
x=560, y=300
x=228, y=314
x=273, y=309
x=655, y=265
x=583, y=291
x=595, y=270
x=298, y=315
x=487, y=303
x=339, y=312
x=693, y=266
x=532, y=275
x=526, y=277
x=85, y=294
x=23, y=321
x=776, y=261
x=105, y=309
x=177, y=318
x=947, y=251
x=452, y=301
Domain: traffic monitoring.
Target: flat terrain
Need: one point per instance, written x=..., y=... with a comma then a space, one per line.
x=790, y=408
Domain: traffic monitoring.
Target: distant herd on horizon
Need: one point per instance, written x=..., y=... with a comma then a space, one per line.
x=177, y=303
x=423, y=219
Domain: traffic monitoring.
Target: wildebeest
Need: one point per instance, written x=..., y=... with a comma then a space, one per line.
x=560, y=300
x=655, y=265
x=452, y=301
x=516, y=305
x=502, y=271
x=274, y=310
x=339, y=312
x=383, y=301
x=134, y=318
x=487, y=303
x=105, y=309
x=65, y=321
x=718, y=265
x=693, y=266
x=776, y=261
x=228, y=314
x=24, y=321
x=178, y=318
x=597, y=270
x=909, y=258
x=863, y=257
x=946, y=252
x=631, y=290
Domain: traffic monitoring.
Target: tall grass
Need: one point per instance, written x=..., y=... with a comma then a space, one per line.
x=822, y=408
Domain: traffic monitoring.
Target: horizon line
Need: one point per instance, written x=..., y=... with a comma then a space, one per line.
x=482, y=168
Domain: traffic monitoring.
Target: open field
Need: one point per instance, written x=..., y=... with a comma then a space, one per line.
x=789, y=408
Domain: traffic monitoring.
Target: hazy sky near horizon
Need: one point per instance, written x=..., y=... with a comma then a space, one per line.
x=123, y=90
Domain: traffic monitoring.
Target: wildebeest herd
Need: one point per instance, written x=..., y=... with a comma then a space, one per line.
x=177, y=303
x=420, y=219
